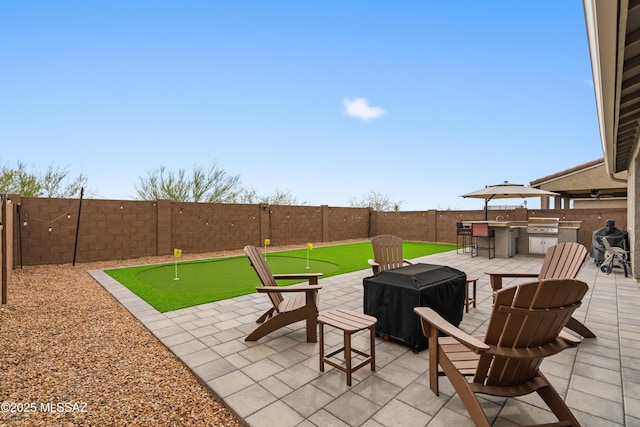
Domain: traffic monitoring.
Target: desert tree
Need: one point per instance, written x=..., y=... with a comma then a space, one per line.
x=211, y=185
x=53, y=182
x=376, y=201
x=57, y=183
x=278, y=197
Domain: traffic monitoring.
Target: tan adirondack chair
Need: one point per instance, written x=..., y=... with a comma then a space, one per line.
x=614, y=256
x=387, y=253
x=525, y=327
x=562, y=261
x=300, y=304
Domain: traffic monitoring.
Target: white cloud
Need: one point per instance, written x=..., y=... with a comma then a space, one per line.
x=360, y=109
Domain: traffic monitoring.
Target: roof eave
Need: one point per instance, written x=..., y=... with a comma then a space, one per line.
x=603, y=28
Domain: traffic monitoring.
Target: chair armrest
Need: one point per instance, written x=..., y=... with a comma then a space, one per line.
x=570, y=338
x=311, y=277
x=435, y=320
x=510, y=274
x=375, y=266
x=495, y=279
x=292, y=288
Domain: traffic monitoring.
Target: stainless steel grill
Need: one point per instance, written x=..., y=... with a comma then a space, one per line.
x=543, y=225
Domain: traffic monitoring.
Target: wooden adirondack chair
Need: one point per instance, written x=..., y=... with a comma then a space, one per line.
x=525, y=327
x=302, y=304
x=562, y=261
x=387, y=253
x=614, y=256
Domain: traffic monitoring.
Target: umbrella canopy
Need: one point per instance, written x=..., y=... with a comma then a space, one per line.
x=506, y=191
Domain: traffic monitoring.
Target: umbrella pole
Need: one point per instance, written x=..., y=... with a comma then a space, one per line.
x=486, y=209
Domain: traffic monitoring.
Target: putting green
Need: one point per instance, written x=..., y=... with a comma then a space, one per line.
x=201, y=277
x=216, y=279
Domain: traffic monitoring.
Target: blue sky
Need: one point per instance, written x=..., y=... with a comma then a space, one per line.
x=419, y=100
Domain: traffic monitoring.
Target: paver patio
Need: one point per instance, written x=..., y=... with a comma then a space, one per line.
x=277, y=382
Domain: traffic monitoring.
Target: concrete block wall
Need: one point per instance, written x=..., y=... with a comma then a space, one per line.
x=294, y=224
x=347, y=223
x=414, y=225
x=112, y=229
x=45, y=233
x=207, y=227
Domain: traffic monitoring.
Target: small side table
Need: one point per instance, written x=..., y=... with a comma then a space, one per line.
x=349, y=322
x=468, y=300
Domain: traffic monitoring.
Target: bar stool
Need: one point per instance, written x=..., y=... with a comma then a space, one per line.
x=481, y=229
x=463, y=238
x=468, y=300
x=349, y=322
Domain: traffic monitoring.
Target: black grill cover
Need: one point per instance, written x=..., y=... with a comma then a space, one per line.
x=391, y=295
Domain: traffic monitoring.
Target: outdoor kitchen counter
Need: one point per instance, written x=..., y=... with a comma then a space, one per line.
x=511, y=237
x=501, y=232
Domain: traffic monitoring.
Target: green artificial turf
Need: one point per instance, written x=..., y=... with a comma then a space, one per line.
x=216, y=279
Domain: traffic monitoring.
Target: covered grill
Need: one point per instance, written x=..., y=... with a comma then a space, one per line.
x=543, y=233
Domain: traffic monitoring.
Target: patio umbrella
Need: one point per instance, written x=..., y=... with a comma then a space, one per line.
x=506, y=191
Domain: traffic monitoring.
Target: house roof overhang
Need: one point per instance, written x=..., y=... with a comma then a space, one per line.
x=613, y=32
x=588, y=180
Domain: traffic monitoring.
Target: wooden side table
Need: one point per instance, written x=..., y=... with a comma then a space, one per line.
x=349, y=322
x=470, y=300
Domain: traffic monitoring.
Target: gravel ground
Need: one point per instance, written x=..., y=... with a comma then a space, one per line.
x=70, y=354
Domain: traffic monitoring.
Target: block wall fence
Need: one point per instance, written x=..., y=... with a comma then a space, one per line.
x=43, y=230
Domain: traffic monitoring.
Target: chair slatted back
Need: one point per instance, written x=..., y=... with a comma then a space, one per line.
x=563, y=260
x=387, y=251
x=610, y=249
x=264, y=273
x=525, y=317
x=607, y=245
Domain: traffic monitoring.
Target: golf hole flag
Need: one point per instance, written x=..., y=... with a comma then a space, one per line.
x=309, y=247
x=177, y=253
x=267, y=242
